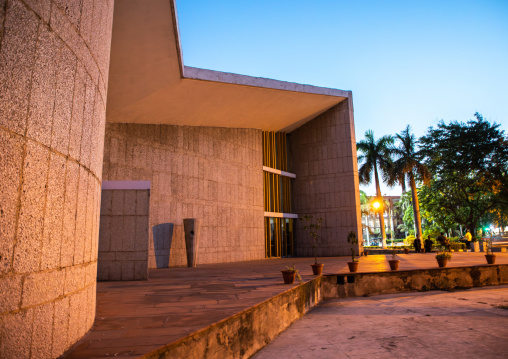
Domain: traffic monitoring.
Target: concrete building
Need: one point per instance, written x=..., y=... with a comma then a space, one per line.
x=244, y=155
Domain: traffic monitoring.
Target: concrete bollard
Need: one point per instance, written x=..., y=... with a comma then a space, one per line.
x=162, y=238
x=191, y=227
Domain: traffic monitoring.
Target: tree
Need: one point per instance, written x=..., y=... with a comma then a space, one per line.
x=408, y=164
x=376, y=157
x=469, y=163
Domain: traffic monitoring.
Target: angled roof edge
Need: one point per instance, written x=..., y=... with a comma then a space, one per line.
x=187, y=72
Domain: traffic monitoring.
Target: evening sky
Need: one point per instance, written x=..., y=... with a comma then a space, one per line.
x=407, y=62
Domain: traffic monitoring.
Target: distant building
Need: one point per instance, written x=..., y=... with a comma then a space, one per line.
x=392, y=217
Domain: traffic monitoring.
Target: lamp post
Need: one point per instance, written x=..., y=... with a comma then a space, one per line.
x=377, y=204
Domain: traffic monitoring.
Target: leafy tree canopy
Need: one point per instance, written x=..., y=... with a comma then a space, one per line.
x=469, y=163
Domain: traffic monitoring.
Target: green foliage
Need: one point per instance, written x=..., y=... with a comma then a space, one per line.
x=408, y=164
x=352, y=239
x=312, y=229
x=469, y=163
x=410, y=240
x=444, y=255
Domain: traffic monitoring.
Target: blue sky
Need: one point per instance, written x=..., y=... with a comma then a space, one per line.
x=406, y=62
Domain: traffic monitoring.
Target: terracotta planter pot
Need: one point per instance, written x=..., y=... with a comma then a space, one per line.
x=353, y=266
x=491, y=258
x=406, y=250
x=289, y=276
x=317, y=269
x=394, y=264
x=442, y=262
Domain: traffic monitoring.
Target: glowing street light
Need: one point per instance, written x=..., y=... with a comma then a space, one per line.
x=376, y=204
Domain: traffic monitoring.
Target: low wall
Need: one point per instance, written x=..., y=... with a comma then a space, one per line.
x=243, y=334
x=123, y=235
x=367, y=284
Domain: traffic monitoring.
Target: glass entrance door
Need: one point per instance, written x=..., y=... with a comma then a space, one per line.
x=278, y=237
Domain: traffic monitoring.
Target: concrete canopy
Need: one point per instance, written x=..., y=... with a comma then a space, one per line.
x=149, y=84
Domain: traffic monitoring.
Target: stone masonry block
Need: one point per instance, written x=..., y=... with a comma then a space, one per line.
x=127, y=270
x=74, y=279
x=42, y=96
x=142, y=233
x=88, y=115
x=60, y=327
x=72, y=10
x=106, y=202
x=53, y=218
x=105, y=234
x=31, y=214
x=16, y=62
x=63, y=100
x=69, y=217
x=117, y=203
x=142, y=202
x=79, y=244
x=11, y=160
x=77, y=113
x=129, y=206
x=42, y=287
x=103, y=270
x=42, y=331
x=74, y=320
x=10, y=287
x=128, y=234
x=90, y=209
x=16, y=333
x=115, y=271
x=140, y=270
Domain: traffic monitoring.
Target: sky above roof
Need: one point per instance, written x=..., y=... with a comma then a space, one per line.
x=406, y=62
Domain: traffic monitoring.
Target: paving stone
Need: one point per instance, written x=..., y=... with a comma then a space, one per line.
x=176, y=301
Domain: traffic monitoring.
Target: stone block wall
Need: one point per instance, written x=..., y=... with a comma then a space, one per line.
x=323, y=154
x=54, y=60
x=210, y=173
x=123, y=235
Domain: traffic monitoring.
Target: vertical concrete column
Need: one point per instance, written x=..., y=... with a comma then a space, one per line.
x=54, y=60
x=191, y=227
x=323, y=153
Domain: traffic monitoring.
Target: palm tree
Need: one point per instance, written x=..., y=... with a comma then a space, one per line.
x=375, y=156
x=408, y=165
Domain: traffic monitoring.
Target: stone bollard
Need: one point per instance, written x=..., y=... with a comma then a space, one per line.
x=191, y=227
x=162, y=238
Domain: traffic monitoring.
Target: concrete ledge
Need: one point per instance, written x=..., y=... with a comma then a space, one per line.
x=243, y=334
x=376, y=283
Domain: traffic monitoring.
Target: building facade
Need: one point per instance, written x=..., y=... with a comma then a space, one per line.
x=201, y=137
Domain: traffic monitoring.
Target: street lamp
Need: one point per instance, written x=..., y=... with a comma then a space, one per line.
x=376, y=204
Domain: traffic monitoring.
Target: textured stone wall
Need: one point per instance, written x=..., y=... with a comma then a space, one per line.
x=123, y=235
x=210, y=173
x=54, y=59
x=323, y=154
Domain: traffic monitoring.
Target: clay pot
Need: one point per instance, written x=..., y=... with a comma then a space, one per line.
x=394, y=264
x=406, y=250
x=365, y=252
x=491, y=258
x=289, y=276
x=442, y=262
x=317, y=269
x=353, y=266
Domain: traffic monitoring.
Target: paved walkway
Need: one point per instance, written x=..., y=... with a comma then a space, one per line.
x=468, y=324
x=134, y=318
